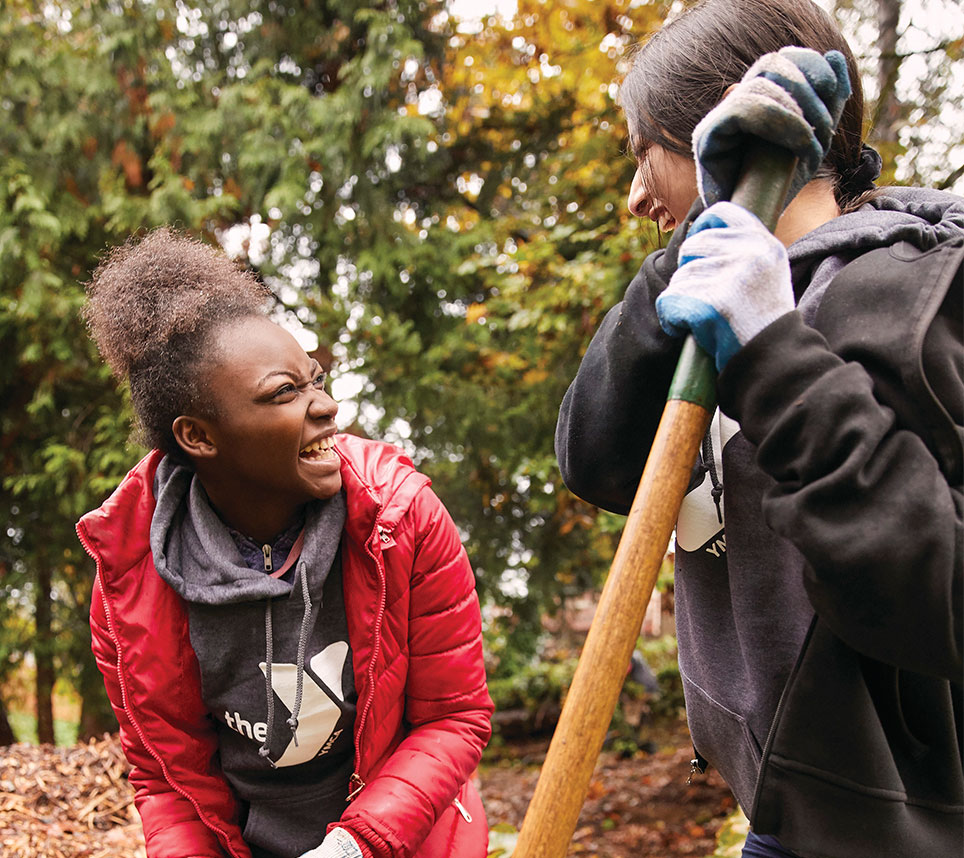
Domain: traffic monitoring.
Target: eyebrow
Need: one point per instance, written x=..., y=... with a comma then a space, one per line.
x=314, y=368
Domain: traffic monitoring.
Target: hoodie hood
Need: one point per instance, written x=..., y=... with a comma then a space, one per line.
x=195, y=553
x=920, y=216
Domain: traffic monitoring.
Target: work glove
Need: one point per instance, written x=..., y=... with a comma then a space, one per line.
x=733, y=280
x=793, y=98
x=338, y=844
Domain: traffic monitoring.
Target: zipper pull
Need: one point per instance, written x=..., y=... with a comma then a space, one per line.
x=697, y=767
x=266, y=551
x=465, y=814
x=355, y=779
x=384, y=535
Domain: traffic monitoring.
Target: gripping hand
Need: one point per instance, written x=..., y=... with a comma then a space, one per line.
x=732, y=281
x=338, y=844
x=793, y=98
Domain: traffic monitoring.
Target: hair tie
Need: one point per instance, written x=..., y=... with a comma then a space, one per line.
x=860, y=177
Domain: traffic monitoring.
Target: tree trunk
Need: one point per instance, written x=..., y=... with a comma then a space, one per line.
x=6, y=731
x=43, y=651
x=887, y=116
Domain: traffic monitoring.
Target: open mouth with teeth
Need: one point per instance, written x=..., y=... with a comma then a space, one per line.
x=318, y=450
x=663, y=219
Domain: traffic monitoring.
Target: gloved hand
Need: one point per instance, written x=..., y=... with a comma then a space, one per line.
x=793, y=98
x=732, y=281
x=338, y=844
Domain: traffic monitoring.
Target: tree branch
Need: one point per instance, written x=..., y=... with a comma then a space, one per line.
x=951, y=179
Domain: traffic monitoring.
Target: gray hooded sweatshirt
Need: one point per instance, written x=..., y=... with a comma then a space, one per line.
x=274, y=658
x=745, y=593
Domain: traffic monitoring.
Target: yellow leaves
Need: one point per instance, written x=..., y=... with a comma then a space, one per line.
x=492, y=359
x=473, y=313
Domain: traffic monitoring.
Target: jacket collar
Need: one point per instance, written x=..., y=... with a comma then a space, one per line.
x=380, y=484
x=379, y=480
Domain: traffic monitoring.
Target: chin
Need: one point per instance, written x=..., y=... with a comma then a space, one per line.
x=328, y=490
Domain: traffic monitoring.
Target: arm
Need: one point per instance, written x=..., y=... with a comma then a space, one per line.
x=861, y=496
x=446, y=701
x=610, y=413
x=172, y=825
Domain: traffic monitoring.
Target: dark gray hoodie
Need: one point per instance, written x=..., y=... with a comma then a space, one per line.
x=287, y=752
x=745, y=591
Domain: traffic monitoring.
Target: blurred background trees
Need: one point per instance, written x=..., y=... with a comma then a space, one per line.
x=438, y=206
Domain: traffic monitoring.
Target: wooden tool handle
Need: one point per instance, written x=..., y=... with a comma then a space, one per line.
x=561, y=790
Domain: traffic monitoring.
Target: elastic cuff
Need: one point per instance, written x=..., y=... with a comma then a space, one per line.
x=369, y=843
x=344, y=843
x=768, y=374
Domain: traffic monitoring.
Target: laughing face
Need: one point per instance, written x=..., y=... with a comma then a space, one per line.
x=664, y=186
x=270, y=447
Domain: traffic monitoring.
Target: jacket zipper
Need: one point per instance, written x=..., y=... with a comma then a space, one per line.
x=266, y=553
x=356, y=778
x=355, y=782
x=777, y=715
x=697, y=766
x=225, y=839
x=465, y=814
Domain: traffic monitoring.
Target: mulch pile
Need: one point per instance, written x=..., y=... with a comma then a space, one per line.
x=76, y=802
x=67, y=802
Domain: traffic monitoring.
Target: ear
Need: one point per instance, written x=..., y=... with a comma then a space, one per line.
x=194, y=436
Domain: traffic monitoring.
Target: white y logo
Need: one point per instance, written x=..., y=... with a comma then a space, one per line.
x=699, y=518
x=319, y=713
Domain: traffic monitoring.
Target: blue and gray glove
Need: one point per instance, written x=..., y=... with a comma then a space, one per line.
x=793, y=98
x=338, y=844
x=732, y=281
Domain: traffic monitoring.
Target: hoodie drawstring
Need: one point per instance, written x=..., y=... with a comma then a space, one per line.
x=302, y=645
x=292, y=722
x=710, y=464
x=265, y=750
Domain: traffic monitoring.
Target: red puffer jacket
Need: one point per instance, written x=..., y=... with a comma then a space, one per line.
x=415, y=633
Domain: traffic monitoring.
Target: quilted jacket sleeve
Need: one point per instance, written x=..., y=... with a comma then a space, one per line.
x=447, y=705
x=172, y=825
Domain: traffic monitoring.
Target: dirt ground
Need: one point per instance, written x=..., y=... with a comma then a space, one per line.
x=637, y=806
x=76, y=802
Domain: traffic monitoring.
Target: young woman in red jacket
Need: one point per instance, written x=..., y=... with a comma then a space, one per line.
x=285, y=617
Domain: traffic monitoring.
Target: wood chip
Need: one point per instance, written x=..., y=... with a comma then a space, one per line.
x=68, y=802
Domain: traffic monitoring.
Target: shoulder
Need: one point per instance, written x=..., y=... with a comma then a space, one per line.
x=897, y=310
x=380, y=475
x=118, y=530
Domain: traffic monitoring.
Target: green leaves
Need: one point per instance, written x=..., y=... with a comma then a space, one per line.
x=445, y=210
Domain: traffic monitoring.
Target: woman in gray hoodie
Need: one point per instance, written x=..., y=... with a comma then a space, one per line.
x=819, y=549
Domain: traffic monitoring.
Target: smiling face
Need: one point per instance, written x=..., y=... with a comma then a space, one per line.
x=664, y=186
x=269, y=447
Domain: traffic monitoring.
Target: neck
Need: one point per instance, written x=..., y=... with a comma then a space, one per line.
x=812, y=207
x=260, y=519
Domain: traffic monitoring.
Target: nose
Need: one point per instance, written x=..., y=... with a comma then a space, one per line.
x=322, y=406
x=638, y=196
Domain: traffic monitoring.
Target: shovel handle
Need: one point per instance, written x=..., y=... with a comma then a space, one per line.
x=564, y=781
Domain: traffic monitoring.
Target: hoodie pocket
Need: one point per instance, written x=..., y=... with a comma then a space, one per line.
x=723, y=738
x=296, y=821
